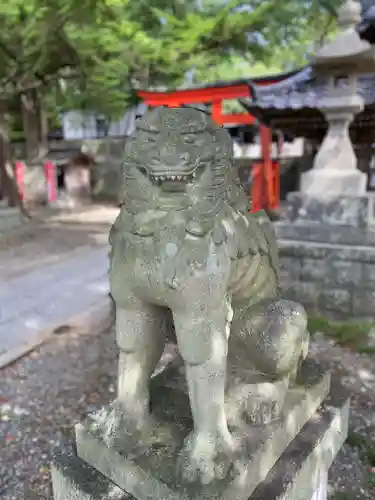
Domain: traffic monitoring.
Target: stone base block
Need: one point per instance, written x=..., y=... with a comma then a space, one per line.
x=333, y=182
x=341, y=210
x=35, y=185
x=106, y=180
x=73, y=479
x=300, y=473
x=149, y=469
x=319, y=233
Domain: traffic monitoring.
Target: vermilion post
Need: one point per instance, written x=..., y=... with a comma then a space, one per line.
x=19, y=169
x=216, y=112
x=276, y=184
x=256, y=188
x=266, y=144
x=50, y=173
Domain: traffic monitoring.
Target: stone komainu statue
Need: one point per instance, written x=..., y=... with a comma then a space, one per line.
x=185, y=244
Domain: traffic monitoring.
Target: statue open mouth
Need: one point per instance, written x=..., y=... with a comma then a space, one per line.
x=172, y=183
x=156, y=177
x=172, y=180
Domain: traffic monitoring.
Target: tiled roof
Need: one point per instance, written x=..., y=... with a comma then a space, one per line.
x=303, y=90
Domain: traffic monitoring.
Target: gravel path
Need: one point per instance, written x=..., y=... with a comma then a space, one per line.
x=44, y=394
x=350, y=473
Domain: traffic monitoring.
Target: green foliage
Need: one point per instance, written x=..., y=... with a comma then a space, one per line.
x=94, y=53
x=43, y=40
x=344, y=496
x=274, y=33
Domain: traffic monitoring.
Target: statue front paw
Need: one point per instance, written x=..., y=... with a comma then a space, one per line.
x=206, y=457
x=258, y=403
x=262, y=410
x=116, y=426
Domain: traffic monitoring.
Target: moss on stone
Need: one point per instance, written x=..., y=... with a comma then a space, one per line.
x=351, y=334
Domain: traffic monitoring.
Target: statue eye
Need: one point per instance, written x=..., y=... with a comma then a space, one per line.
x=142, y=170
x=189, y=139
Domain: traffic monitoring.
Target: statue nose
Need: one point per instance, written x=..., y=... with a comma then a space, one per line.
x=168, y=150
x=171, y=154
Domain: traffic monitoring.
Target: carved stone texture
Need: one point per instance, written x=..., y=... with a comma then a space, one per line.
x=185, y=250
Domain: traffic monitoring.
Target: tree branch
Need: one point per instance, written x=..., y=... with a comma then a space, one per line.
x=10, y=89
x=11, y=55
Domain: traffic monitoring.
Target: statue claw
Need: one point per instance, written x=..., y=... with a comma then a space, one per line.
x=205, y=459
x=262, y=411
x=257, y=403
x=115, y=426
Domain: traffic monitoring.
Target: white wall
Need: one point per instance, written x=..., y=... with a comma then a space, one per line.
x=253, y=151
x=78, y=125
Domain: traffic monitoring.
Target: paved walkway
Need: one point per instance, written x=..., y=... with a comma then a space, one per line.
x=47, y=297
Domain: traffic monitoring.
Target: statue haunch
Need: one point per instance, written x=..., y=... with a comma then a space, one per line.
x=185, y=243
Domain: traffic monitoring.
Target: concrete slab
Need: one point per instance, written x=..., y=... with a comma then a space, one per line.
x=98, y=317
x=40, y=301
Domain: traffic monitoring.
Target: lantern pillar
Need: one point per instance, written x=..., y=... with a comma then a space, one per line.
x=334, y=191
x=327, y=237
x=339, y=64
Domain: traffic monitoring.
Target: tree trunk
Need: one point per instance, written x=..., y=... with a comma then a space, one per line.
x=31, y=124
x=8, y=184
x=43, y=125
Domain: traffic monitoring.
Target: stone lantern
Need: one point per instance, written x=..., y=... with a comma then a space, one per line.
x=334, y=173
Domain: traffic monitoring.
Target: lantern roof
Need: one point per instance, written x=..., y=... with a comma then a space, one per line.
x=293, y=105
x=304, y=90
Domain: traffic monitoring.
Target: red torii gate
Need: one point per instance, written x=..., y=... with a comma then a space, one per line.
x=265, y=185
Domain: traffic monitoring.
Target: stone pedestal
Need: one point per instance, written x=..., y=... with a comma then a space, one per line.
x=334, y=172
x=331, y=212
x=107, y=181
x=288, y=459
x=78, y=184
x=327, y=255
x=35, y=185
x=328, y=183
